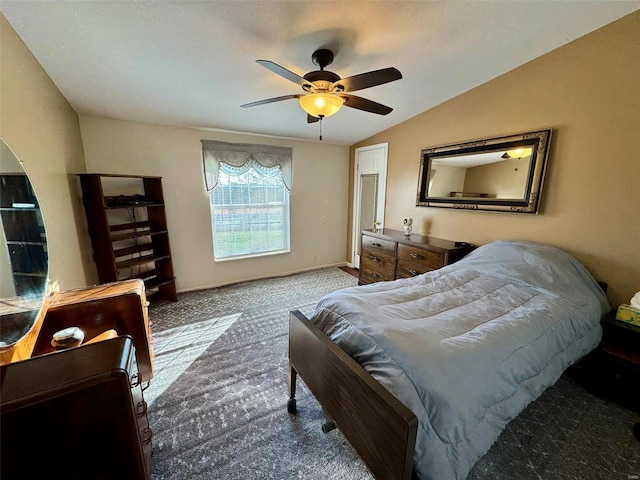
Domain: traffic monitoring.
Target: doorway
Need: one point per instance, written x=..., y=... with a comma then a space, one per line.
x=370, y=188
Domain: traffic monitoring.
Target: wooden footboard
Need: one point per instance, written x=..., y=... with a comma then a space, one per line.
x=378, y=426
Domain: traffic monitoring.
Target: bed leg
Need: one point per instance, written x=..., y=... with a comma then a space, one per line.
x=291, y=403
x=328, y=426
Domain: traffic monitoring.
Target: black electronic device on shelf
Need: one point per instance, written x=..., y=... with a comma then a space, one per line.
x=128, y=201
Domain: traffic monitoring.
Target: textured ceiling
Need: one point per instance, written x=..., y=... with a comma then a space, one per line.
x=193, y=64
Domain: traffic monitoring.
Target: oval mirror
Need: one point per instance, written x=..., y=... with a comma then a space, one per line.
x=24, y=261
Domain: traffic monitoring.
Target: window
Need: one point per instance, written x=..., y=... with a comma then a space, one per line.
x=249, y=212
x=248, y=187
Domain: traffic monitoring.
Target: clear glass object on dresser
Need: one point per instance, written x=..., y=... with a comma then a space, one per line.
x=390, y=254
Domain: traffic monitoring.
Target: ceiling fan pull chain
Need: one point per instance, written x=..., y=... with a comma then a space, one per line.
x=321, y=117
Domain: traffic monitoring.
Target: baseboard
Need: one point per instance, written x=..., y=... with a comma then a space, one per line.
x=262, y=277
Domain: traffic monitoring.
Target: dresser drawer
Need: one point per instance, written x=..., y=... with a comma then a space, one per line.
x=407, y=269
x=376, y=259
x=371, y=271
x=420, y=258
x=378, y=246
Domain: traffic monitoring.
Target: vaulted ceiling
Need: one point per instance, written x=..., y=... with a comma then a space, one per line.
x=192, y=63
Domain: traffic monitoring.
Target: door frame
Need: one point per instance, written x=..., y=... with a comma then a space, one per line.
x=381, y=200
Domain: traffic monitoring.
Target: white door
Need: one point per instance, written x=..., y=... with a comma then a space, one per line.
x=369, y=192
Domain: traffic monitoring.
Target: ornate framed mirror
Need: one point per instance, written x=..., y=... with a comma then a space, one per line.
x=503, y=174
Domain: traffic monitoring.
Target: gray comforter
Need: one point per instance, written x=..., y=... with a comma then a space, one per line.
x=468, y=346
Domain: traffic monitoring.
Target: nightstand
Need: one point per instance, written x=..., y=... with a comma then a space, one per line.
x=616, y=362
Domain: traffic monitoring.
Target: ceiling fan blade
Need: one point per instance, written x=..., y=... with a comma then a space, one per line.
x=283, y=72
x=369, y=79
x=364, y=104
x=271, y=100
x=312, y=119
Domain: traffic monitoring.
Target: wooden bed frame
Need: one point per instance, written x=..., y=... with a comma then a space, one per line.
x=378, y=426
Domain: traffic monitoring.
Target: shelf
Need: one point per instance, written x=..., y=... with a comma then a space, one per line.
x=151, y=253
x=30, y=274
x=151, y=279
x=13, y=209
x=131, y=262
x=128, y=207
x=143, y=275
x=144, y=247
x=129, y=226
x=157, y=282
x=136, y=234
x=21, y=242
x=118, y=175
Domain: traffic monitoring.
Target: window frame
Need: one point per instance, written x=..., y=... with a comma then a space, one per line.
x=285, y=205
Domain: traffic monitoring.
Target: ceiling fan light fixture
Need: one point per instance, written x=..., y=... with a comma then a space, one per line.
x=321, y=105
x=519, y=152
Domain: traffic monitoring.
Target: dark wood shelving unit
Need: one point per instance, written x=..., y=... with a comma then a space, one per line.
x=24, y=232
x=129, y=234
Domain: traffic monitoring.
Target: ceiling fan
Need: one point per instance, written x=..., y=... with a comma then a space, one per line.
x=325, y=92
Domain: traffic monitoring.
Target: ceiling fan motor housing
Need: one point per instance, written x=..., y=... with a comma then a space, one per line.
x=322, y=57
x=321, y=79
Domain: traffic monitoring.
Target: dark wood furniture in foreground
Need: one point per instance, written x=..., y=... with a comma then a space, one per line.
x=129, y=234
x=390, y=254
x=76, y=414
x=614, y=366
x=79, y=413
x=121, y=306
x=378, y=426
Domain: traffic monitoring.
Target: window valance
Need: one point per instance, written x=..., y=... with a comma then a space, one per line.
x=242, y=156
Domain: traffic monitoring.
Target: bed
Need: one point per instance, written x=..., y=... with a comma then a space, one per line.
x=421, y=375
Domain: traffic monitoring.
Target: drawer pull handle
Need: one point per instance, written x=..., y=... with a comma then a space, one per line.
x=375, y=259
x=376, y=245
x=375, y=275
x=147, y=436
x=141, y=410
x=413, y=272
x=135, y=380
x=415, y=255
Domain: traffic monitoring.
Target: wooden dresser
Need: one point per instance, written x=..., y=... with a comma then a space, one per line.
x=390, y=254
x=76, y=414
x=80, y=413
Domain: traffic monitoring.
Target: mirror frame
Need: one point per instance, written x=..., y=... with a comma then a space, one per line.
x=21, y=312
x=538, y=141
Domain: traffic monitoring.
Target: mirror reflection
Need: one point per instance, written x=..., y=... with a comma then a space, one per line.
x=24, y=264
x=501, y=174
x=495, y=174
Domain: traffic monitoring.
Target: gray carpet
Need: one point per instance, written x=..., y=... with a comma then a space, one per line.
x=218, y=401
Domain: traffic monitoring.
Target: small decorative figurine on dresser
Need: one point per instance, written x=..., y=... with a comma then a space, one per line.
x=407, y=225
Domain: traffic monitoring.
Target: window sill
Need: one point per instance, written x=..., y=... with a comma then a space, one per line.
x=251, y=255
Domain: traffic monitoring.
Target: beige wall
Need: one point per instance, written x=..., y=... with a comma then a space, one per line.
x=588, y=92
x=506, y=179
x=42, y=129
x=318, y=198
